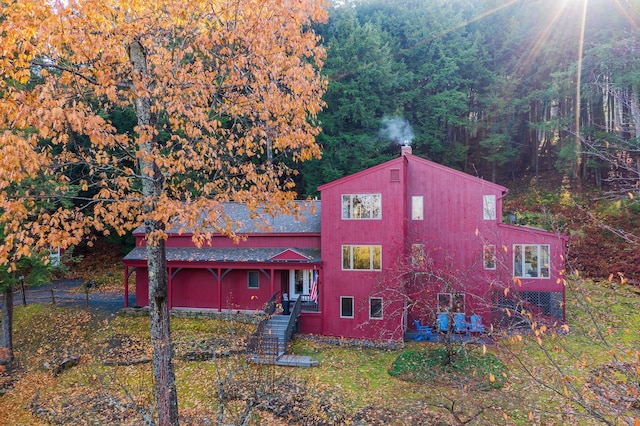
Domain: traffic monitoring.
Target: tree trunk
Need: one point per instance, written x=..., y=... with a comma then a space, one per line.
x=6, y=345
x=635, y=114
x=494, y=170
x=152, y=189
x=165, y=381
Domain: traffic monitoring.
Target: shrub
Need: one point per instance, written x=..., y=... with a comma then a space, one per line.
x=480, y=371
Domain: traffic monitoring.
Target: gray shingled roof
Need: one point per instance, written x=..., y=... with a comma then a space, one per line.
x=308, y=223
x=226, y=254
x=266, y=223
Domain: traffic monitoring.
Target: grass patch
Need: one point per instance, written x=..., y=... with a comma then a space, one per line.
x=480, y=371
x=351, y=385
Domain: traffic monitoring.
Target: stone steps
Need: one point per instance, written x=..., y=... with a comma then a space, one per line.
x=286, y=361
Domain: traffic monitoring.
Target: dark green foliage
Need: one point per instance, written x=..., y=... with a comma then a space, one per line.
x=365, y=84
x=480, y=371
x=633, y=207
x=498, y=151
x=446, y=67
x=126, y=242
x=489, y=87
x=544, y=220
x=36, y=269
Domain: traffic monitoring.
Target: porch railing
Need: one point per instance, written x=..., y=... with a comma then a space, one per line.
x=264, y=345
x=292, y=325
x=270, y=306
x=308, y=304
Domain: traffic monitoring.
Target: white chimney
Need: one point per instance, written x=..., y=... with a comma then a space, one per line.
x=405, y=149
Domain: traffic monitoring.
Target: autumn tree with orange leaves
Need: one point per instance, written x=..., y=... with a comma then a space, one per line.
x=222, y=91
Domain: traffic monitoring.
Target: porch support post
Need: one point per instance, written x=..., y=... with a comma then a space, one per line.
x=272, y=278
x=219, y=290
x=170, y=288
x=321, y=298
x=126, y=286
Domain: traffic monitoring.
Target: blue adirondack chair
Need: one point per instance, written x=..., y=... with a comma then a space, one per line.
x=460, y=325
x=424, y=332
x=442, y=320
x=476, y=325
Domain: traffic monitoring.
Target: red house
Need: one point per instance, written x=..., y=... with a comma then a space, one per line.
x=398, y=242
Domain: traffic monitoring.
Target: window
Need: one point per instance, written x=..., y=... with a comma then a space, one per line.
x=448, y=302
x=254, y=279
x=298, y=282
x=458, y=303
x=362, y=258
x=361, y=206
x=444, y=302
x=375, y=308
x=531, y=261
x=489, y=256
x=417, y=256
x=346, y=307
x=55, y=255
x=489, y=207
x=417, y=207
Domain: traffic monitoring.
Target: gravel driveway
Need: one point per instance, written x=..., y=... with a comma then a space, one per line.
x=70, y=293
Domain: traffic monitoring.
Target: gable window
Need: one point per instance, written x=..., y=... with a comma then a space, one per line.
x=375, y=308
x=254, y=279
x=489, y=207
x=489, y=257
x=361, y=206
x=346, y=307
x=531, y=261
x=417, y=207
x=367, y=258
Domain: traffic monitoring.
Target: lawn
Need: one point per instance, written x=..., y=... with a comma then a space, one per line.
x=550, y=378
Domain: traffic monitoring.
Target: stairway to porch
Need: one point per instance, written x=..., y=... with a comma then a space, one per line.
x=276, y=327
x=268, y=345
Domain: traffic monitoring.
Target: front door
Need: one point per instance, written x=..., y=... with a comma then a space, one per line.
x=299, y=283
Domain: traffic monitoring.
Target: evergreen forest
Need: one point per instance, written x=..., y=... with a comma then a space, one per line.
x=498, y=89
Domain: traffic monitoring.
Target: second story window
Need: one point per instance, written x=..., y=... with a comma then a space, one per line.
x=364, y=258
x=361, y=206
x=417, y=207
x=489, y=207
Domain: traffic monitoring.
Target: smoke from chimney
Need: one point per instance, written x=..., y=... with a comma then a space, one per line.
x=398, y=130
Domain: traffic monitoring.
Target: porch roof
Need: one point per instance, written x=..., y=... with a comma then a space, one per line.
x=227, y=254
